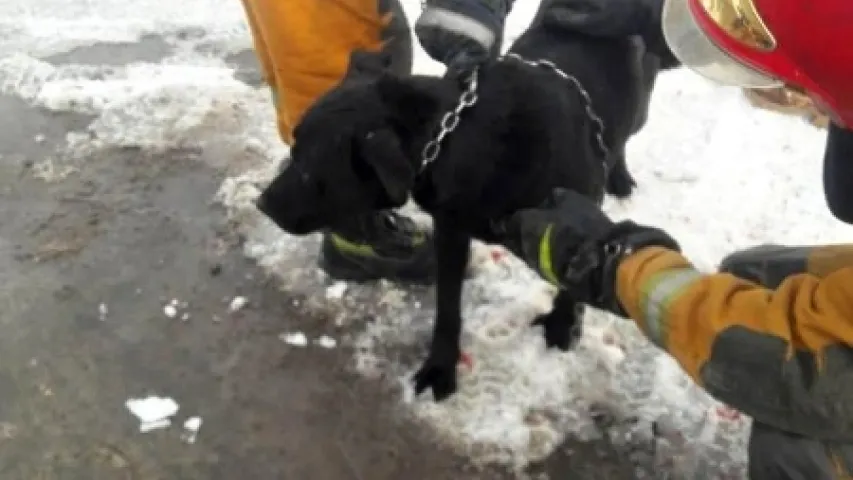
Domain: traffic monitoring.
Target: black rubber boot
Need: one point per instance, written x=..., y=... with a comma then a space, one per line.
x=380, y=245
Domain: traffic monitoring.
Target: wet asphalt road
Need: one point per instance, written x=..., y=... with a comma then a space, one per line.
x=132, y=232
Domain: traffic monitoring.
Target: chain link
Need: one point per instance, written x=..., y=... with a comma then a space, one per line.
x=450, y=121
x=469, y=98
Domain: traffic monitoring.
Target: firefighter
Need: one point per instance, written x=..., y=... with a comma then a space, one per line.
x=772, y=333
x=304, y=47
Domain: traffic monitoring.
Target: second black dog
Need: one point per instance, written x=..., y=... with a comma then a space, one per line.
x=359, y=148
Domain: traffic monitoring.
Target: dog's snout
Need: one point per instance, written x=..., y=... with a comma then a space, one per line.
x=288, y=219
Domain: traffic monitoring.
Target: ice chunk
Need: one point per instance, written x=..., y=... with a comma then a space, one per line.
x=191, y=427
x=238, y=303
x=153, y=412
x=296, y=339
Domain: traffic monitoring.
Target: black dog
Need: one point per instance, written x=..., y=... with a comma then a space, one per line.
x=359, y=148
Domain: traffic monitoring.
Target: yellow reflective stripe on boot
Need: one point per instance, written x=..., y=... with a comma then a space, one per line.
x=345, y=246
x=546, y=267
x=365, y=250
x=658, y=293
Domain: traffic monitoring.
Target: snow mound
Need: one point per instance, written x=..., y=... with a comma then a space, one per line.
x=153, y=107
x=44, y=27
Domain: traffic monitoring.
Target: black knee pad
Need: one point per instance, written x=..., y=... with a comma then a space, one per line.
x=767, y=265
x=778, y=455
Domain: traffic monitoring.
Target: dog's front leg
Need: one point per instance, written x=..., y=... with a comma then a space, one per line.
x=564, y=323
x=439, y=370
x=620, y=183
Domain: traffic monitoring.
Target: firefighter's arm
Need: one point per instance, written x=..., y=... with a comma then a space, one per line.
x=782, y=356
x=462, y=34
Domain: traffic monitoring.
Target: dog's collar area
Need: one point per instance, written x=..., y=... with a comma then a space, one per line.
x=469, y=98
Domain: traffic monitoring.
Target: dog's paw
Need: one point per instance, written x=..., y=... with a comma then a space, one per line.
x=563, y=330
x=620, y=183
x=439, y=374
x=558, y=331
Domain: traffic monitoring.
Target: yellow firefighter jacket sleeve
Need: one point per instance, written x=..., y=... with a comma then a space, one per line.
x=783, y=357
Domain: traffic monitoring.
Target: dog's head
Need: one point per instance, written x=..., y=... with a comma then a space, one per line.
x=348, y=156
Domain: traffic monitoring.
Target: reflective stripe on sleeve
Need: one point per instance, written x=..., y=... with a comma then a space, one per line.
x=658, y=294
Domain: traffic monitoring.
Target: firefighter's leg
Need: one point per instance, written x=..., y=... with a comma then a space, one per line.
x=777, y=455
x=304, y=46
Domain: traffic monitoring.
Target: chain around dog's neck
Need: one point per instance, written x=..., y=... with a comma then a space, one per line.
x=469, y=98
x=450, y=120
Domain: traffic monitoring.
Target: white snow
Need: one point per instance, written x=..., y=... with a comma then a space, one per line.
x=326, y=342
x=336, y=291
x=193, y=424
x=237, y=303
x=714, y=172
x=153, y=412
x=191, y=427
x=295, y=339
x=175, y=306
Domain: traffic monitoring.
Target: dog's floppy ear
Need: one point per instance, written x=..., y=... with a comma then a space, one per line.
x=407, y=97
x=383, y=154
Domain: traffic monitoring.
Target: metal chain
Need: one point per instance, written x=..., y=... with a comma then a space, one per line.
x=450, y=121
x=469, y=98
x=590, y=112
